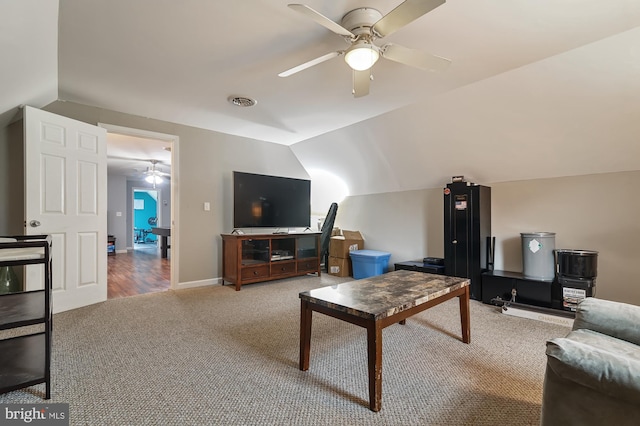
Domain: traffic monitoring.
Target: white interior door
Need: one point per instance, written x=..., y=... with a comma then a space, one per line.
x=66, y=197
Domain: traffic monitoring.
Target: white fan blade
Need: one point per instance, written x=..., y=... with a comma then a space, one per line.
x=361, y=82
x=415, y=58
x=309, y=64
x=404, y=13
x=321, y=19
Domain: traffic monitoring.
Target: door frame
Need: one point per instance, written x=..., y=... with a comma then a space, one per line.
x=174, y=140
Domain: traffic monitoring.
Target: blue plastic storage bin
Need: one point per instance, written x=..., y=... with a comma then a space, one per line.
x=368, y=263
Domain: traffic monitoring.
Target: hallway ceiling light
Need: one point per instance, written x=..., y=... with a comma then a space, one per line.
x=154, y=176
x=154, y=179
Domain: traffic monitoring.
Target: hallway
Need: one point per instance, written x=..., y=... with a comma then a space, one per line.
x=137, y=272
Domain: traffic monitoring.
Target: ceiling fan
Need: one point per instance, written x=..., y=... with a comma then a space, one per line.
x=155, y=176
x=360, y=28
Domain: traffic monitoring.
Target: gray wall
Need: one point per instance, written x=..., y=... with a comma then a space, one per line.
x=592, y=212
x=11, y=179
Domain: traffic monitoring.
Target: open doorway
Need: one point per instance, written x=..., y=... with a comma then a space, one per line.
x=137, y=266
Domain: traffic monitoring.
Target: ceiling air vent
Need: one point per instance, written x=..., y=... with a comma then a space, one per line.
x=242, y=101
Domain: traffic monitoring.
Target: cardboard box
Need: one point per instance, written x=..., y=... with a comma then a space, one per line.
x=339, y=267
x=340, y=246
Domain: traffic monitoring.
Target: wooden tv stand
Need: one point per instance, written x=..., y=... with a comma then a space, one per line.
x=252, y=258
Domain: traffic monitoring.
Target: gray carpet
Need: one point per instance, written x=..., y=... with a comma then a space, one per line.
x=214, y=356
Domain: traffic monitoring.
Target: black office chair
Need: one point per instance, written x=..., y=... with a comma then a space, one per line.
x=325, y=237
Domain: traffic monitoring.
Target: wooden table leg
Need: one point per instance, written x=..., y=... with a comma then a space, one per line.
x=305, y=334
x=374, y=349
x=464, y=316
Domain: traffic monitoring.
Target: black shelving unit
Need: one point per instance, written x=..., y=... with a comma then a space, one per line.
x=25, y=360
x=498, y=285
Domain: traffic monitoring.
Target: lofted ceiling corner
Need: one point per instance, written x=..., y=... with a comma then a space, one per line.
x=29, y=47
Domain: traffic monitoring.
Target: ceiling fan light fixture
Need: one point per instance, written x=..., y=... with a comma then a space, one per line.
x=153, y=179
x=362, y=55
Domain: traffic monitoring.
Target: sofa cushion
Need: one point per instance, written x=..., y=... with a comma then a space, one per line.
x=612, y=318
x=600, y=362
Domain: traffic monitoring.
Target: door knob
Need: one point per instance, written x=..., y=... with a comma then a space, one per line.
x=455, y=241
x=34, y=223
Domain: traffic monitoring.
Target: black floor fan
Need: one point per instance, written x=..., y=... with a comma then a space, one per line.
x=327, y=227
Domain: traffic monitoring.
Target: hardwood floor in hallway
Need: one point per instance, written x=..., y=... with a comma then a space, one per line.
x=137, y=272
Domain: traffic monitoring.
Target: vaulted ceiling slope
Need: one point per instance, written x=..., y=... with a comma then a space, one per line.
x=576, y=113
x=535, y=88
x=29, y=49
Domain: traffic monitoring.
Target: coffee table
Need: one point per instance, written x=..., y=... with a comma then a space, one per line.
x=377, y=302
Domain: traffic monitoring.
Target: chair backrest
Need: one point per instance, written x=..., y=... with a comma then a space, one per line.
x=327, y=227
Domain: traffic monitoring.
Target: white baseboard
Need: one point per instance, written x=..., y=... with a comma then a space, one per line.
x=200, y=283
x=539, y=316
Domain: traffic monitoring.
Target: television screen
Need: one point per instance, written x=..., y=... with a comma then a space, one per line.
x=270, y=201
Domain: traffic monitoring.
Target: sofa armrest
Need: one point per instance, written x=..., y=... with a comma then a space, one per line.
x=619, y=320
x=611, y=368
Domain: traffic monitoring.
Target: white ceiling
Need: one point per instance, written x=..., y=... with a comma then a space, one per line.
x=133, y=156
x=555, y=80
x=180, y=61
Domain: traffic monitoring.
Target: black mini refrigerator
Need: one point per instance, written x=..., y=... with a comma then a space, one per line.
x=467, y=232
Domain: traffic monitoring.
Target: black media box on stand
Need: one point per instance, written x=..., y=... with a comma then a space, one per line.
x=433, y=261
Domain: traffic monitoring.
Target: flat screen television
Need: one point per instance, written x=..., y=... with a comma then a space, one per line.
x=262, y=201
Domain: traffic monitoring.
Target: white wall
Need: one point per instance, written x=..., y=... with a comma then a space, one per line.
x=396, y=222
x=593, y=212
x=117, y=203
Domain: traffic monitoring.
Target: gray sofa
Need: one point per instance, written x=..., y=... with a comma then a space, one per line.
x=593, y=374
